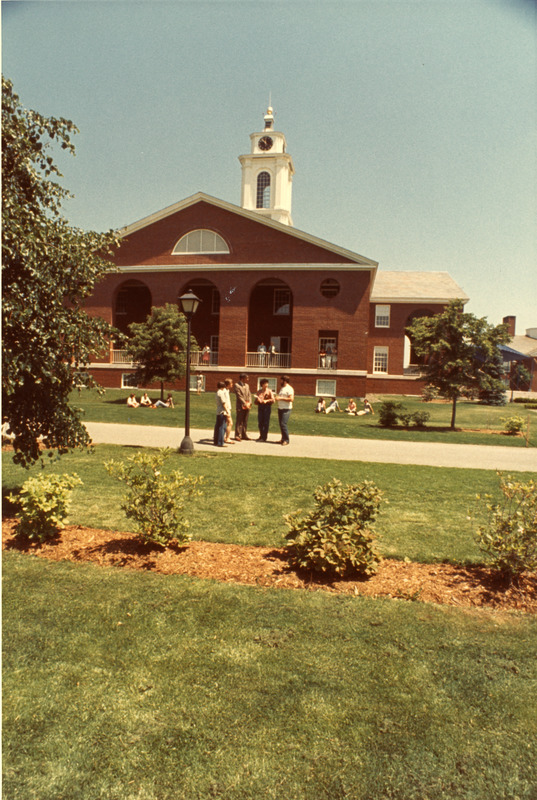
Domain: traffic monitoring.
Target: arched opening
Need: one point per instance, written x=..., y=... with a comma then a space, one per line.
x=263, y=190
x=205, y=322
x=270, y=324
x=132, y=304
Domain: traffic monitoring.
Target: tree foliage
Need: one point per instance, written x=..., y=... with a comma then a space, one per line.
x=158, y=345
x=48, y=269
x=460, y=352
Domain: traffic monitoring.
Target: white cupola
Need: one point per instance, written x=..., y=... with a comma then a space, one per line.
x=267, y=174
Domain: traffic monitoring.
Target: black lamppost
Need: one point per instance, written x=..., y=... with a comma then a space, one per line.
x=189, y=306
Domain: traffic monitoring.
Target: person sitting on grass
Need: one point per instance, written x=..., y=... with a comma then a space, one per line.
x=367, y=409
x=352, y=408
x=334, y=406
x=146, y=401
x=168, y=403
x=132, y=402
x=321, y=406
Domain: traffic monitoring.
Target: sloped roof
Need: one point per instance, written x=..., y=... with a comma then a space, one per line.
x=525, y=345
x=201, y=197
x=408, y=287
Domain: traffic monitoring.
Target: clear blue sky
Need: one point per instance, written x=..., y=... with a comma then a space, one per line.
x=412, y=123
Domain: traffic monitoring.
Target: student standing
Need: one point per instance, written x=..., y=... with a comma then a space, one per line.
x=222, y=413
x=264, y=400
x=244, y=403
x=285, y=399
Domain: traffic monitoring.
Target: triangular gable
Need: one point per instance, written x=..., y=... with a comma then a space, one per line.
x=252, y=238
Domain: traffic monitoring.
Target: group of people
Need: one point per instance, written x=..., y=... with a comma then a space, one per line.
x=328, y=357
x=264, y=399
x=146, y=402
x=352, y=408
x=266, y=355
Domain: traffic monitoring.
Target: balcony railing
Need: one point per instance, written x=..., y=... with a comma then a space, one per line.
x=121, y=357
x=199, y=358
x=268, y=360
x=327, y=362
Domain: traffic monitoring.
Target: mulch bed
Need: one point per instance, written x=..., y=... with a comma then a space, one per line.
x=264, y=566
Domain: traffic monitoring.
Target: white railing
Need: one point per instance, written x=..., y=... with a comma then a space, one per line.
x=268, y=360
x=121, y=357
x=327, y=362
x=200, y=359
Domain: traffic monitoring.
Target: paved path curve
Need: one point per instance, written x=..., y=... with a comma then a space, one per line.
x=469, y=456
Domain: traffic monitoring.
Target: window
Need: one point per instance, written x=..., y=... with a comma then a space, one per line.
x=329, y=288
x=121, y=302
x=197, y=382
x=263, y=190
x=200, y=241
x=215, y=301
x=380, y=359
x=128, y=380
x=325, y=388
x=282, y=301
x=272, y=383
x=382, y=316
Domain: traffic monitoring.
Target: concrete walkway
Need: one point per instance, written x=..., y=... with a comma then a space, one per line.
x=469, y=456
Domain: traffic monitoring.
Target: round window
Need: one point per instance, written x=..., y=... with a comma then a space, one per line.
x=329, y=288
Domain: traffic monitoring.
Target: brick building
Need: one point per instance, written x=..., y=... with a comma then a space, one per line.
x=273, y=298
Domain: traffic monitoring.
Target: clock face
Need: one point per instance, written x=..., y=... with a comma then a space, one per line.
x=265, y=143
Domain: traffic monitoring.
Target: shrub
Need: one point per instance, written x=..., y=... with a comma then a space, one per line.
x=510, y=537
x=429, y=393
x=334, y=537
x=44, y=502
x=393, y=413
x=155, y=500
x=513, y=425
x=420, y=418
x=389, y=413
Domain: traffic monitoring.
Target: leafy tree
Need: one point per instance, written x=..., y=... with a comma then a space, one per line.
x=519, y=378
x=460, y=352
x=48, y=269
x=158, y=346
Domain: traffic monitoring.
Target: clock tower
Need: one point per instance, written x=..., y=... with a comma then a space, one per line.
x=267, y=174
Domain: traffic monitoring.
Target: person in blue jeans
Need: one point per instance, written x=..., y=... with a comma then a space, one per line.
x=285, y=398
x=264, y=400
x=223, y=412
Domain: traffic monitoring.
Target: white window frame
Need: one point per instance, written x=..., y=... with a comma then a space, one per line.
x=325, y=388
x=380, y=360
x=209, y=242
x=282, y=308
x=272, y=383
x=382, y=316
x=127, y=380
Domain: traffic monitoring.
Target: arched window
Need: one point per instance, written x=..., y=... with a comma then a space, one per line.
x=200, y=241
x=263, y=190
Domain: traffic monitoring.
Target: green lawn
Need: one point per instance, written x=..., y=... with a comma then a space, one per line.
x=471, y=417
x=245, y=498
x=130, y=686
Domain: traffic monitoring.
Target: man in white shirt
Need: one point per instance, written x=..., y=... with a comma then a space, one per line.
x=285, y=399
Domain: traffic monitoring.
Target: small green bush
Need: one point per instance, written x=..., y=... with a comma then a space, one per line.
x=334, y=537
x=389, y=413
x=155, y=500
x=513, y=425
x=44, y=503
x=510, y=537
x=393, y=413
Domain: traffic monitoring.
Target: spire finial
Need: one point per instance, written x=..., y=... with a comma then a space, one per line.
x=269, y=116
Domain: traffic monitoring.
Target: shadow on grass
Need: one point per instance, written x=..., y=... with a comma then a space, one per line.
x=311, y=577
